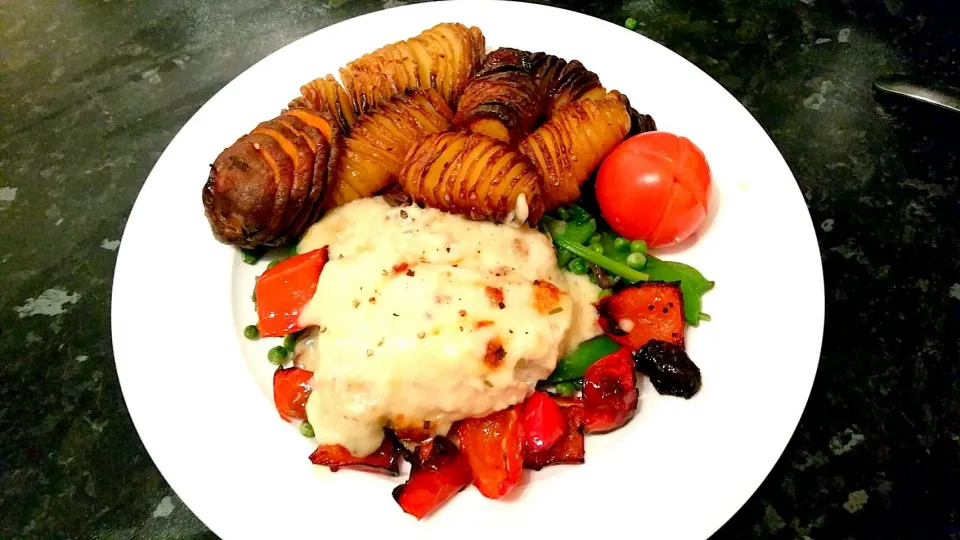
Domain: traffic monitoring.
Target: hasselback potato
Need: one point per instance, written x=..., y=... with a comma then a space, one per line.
x=268, y=186
x=473, y=175
x=502, y=101
x=444, y=57
x=326, y=94
x=567, y=148
x=563, y=82
x=373, y=152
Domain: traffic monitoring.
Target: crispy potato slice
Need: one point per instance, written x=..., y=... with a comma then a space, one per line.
x=472, y=175
x=569, y=146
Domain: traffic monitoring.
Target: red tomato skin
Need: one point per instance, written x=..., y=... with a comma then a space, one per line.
x=654, y=187
x=543, y=423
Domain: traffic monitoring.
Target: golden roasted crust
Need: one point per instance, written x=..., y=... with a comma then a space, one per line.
x=569, y=146
x=374, y=151
x=503, y=101
x=472, y=175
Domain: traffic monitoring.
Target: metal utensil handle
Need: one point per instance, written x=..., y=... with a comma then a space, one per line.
x=947, y=98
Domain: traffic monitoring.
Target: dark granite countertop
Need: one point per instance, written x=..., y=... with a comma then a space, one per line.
x=92, y=92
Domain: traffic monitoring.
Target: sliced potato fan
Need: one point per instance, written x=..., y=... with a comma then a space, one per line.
x=503, y=101
x=443, y=58
x=569, y=146
x=373, y=152
x=473, y=175
x=266, y=188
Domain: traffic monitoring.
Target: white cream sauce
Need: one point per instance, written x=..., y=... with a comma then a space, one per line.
x=411, y=330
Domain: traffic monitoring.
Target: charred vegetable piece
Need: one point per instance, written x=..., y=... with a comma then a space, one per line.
x=649, y=310
x=285, y=289
x=442, y=474
x=610, y=392
x=670, y=369
x=561, y=82
x=543, y=423
x=692, y=284
x=444, y=58
x=291, y=388
x=569, y=449
x=570, y=145
x=575, y=363
x=472, y=175
x=494, y=447
x=502, y=101
x=384, y=460
x=374, y=151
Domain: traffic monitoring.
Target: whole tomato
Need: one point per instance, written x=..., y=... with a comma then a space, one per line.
x=654, y=187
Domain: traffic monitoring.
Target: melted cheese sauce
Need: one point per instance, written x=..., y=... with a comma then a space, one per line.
x=424, y=318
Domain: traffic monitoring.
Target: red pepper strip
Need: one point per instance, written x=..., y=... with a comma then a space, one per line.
x=283, y=291
x=569, y=450
x=384, y=460
x=610, y=392
x=291, y=388
x=543, y=423
x=443, y=474
x=637, y=314
x=494, y=446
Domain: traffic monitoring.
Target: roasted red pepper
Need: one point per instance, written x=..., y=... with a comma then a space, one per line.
x=645, y=311
x=291, y=388
x=543, y=423
x=494, y=446
x=385, y=460
x=283, y=291
x=443, y=473
x=569, y=450
x=610, y=392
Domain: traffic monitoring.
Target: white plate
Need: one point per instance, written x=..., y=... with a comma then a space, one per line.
x=200, y=395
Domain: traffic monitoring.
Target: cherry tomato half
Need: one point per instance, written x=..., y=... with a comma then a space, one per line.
x=655, y=187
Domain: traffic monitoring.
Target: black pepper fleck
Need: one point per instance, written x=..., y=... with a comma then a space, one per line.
x=502, y=305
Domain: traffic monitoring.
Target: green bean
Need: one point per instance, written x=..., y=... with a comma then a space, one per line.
x=278, y=355
x=575, y=363
x=636, y=261
x=251, y=332
x=563, y=213
x=595, y=239
x=597, y=247
x=578, y=266
x=638, y=246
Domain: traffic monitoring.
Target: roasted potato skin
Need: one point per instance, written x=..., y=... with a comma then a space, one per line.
x=374, y=151
x=503, y=101
x=472, y=175
x=563, y=82
x=267, y=187
x=569, y=146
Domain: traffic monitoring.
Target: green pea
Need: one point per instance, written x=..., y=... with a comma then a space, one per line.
x=566, y=388
x=278, y=355
x=596, y=239
x=251, y=332
x=563, y=213
x=604, y=293
x=631, y=23
x=636, y=261
x=638, y=246
x=273, y=263
x=290, y=342
x=598, y=248
x=621, y=244
x=306, y=429
x=578, y=266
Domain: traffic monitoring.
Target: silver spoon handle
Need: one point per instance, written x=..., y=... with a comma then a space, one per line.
x=947, y=98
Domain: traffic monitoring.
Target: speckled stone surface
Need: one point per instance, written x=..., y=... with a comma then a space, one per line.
x=92, y=92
